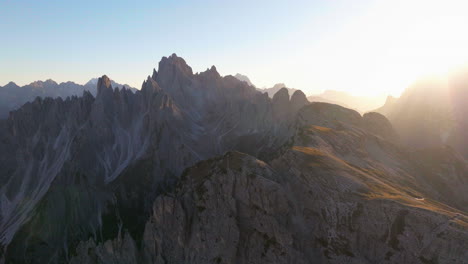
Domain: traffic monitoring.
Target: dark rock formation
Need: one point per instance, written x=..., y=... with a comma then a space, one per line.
x=298, y=100
x=333, y=197
x=81, y=149
x=12, y=96
x=200, y=168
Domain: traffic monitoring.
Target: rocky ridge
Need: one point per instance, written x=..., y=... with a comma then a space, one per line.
x=13, y=96
x=200, y=168
x=335, y=196
x=74, y=158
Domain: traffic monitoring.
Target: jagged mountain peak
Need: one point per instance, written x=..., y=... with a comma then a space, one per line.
x=150, y=85
x=211, y=73
x=11, y=85
x=299, y=97
x=243, y=78
x=281, y=95
x=298, y=100
x=173, y=64
x=40, y=84
x=103, y=83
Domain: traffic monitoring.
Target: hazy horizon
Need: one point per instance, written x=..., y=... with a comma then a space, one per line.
x=371, y=48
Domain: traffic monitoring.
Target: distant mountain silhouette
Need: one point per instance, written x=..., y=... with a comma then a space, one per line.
x=273, y=90
x=244, y=78
x=13, y=96
x=317, y=98
x=361, y=104
x=432, y=112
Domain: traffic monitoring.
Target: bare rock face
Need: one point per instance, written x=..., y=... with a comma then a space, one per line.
x=281, y=97
x=286, y=109
x=379, y=125
x=329, y=115
x=334, y=196
x=122, y=250
x=200, y=168
x=281, y=106
x=103, y=84
x=73, y=159
x=298, y=100
x=259, y=219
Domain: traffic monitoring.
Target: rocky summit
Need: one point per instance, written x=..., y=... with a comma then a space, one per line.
x=204, y=168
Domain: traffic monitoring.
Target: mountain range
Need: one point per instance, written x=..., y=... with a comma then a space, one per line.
x=13, y=96
x=204, y=168
x=273, y=90
x=361, y=104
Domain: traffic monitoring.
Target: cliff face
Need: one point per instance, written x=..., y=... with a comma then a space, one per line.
x=339, y=194
x=200, y=168
x=69, y=165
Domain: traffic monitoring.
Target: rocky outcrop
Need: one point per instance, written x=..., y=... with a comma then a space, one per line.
x=73, y=158
x=281, y=104
x=379, y=125
x=329, y=199
x=263, y=216
x=298, y=100
x=286, y=109
x=122, y=250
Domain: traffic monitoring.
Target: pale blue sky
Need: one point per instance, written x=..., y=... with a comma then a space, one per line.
x=311, y=45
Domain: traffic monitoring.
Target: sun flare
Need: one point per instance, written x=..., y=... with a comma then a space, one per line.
x=390, y=46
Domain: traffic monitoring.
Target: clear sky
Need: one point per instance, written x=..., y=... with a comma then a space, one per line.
x=361, y=46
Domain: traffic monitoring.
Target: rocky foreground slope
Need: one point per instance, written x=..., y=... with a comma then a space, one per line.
x=339, y=194
x=199, y=168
